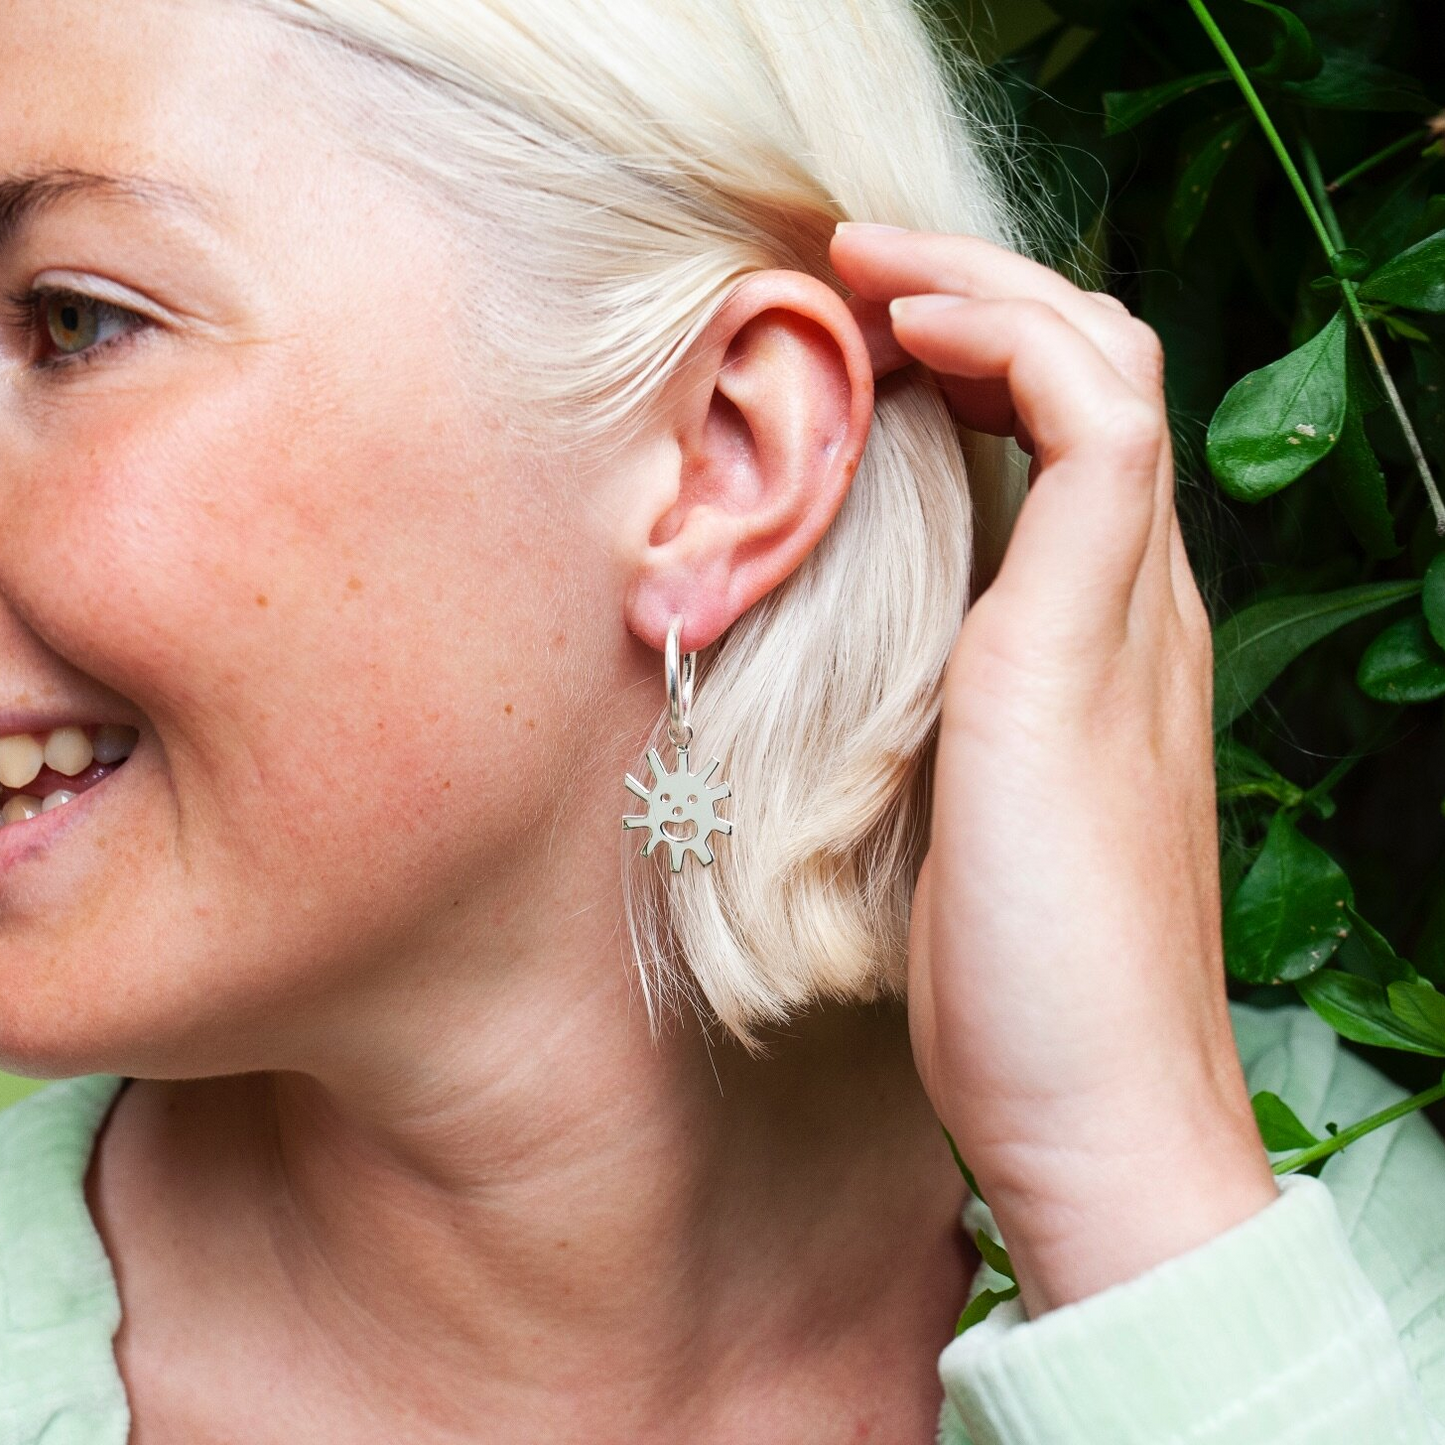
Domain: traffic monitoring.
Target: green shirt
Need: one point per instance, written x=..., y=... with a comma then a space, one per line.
x=1320, y=1320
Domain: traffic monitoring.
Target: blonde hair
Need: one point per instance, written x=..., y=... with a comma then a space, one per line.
x=628, y=162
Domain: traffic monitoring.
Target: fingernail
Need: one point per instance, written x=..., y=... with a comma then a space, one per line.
x=865, y=226
x=902, y=306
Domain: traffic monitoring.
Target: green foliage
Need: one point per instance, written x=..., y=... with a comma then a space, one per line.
x=1357, y=483
x=1278, y=1125
x=1404, y=663
x=1254, y=645
x=994, y=1255
x=1276, y=423
x=1415, y=278
x=1263, y=182
x=1432, y=598
x=1359, y=1009
x=964, y=1169
x=1281, y=1129
x=1287, y=915
x=982, y=1305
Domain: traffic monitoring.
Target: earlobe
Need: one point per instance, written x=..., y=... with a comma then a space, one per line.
x=769, y=430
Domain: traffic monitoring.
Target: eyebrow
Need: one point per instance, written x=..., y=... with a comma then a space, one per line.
x=24, y=195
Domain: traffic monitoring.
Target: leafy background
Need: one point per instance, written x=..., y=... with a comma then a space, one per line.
x=1277, y=213
x=1264, y=183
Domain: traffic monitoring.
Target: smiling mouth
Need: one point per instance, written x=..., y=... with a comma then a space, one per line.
x=43, y=771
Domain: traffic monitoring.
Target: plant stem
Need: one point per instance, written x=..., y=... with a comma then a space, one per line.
x=1332, y=248
x=1352, y=300
x=1328, y=1146
x=1379, y=158
x=1331, y=779
x=1320, y=191
x=1252, y=100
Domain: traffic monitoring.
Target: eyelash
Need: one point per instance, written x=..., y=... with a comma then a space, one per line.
x=26, y=311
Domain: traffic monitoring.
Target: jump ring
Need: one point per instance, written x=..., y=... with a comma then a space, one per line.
x=679, y=686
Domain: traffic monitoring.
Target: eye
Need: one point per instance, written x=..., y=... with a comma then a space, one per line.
x=77, y=326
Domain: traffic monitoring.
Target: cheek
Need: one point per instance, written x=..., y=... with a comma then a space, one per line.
x=346, y=636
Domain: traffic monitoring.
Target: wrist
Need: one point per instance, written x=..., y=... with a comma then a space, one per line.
x=1117, y=1218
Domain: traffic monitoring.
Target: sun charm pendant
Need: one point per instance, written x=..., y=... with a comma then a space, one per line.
x=680, y=809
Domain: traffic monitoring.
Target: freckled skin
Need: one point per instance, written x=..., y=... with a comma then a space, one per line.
x=357, y=891
x=231, y=536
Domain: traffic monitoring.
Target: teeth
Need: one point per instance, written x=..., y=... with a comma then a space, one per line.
x=111, y=743
x=21, y=758
x=68, y=751
x=20, y=807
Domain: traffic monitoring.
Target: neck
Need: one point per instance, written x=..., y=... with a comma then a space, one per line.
x=537, y=1216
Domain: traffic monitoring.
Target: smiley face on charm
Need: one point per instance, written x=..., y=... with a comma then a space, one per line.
x=680, y=809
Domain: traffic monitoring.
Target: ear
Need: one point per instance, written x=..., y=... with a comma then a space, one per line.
x=767, y=425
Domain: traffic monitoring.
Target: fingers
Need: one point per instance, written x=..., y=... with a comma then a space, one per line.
x=1083, y=529
x=983, y=406
x=1064, y=389
x=881, y=265
x=1104, y=299
x=1070, y=415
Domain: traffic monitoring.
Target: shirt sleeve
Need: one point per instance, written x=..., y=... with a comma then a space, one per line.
x=1319, y=1319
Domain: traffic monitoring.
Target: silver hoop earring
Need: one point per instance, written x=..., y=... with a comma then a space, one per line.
x=679, y=798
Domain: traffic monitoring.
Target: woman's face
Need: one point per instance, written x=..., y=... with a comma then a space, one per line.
x=278, y=527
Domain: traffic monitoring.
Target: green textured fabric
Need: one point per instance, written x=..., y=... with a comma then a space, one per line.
x=1321, y=1319
x=1318, y=1321
x=59, y=1310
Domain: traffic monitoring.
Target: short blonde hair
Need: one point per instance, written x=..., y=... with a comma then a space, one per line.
x=630, y=161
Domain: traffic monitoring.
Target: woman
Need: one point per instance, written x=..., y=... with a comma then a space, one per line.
x=384, y=379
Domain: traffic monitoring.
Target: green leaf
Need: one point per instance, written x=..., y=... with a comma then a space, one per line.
x=1430, y=219
x=1276, y=423
x=1420, y=1008
x=1241, y=772
x=962, y=1167
x=1124, y=109
x=994, y=1254
x=1255, y=645
x=1414, y=279
x=1286, y=917
x=981, y=1306
x=1403, y=664
x=1279, y=1126
x=1358, y=487
x=1359, y=25
x=1349, y=81
x=1432, y=598
x=1368, y=953
x=1401, y=329
x=1388, y=224
x=1202, y=165
x=1359, y=1009
x=1295, y=56
x=1351, y=263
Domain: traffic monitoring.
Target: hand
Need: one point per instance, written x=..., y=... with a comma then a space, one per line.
x=1067, y=1003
